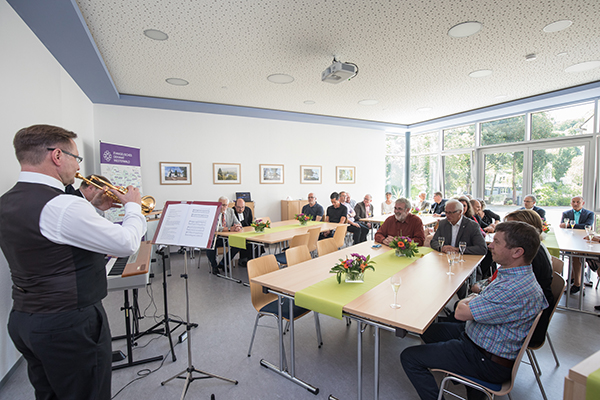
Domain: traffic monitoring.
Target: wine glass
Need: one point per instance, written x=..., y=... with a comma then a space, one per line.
x=588, y=230
x=566, y=222
x=572, y=223
x=451, y=256
x=462, y=246
x=441, y=241
x=395, y=281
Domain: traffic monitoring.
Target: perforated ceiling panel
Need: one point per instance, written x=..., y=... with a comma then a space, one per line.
x=226, y=49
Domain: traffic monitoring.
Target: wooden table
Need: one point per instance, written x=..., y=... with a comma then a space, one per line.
x=573, y=243
x=576, y=381
x=419, y=307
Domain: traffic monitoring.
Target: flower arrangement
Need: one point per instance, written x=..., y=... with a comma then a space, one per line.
x=415, y=210
x=545, y=226
x=404, y=246
x=303, y=218
x=354, y=267
x=259, y=225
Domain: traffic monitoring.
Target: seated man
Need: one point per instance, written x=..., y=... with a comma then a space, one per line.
x=582, y=217
x=314, y=209
x=478, y=214
x=438, y=206
x=336, y=212
x=422, y=204
x=364, y=209
x=227, y=222
x=529, y=203
x=359, y=230
x=349, y=200
x=497, y=321
x=455, y=229
x=402, y=223
x=244, y=216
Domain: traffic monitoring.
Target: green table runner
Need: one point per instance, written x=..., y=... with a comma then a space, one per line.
x=592, y=387
x=328, y=297
x=552, y=244
x=239, y=239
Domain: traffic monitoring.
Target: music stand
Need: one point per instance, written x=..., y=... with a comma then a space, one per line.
x=193, y=225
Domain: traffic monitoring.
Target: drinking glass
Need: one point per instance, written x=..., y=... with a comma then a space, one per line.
x=588, y=230
x=395, y=281
x=566, y=222
x=451, y=255
x=462, y=246
x=441, y=241
x=572, y=223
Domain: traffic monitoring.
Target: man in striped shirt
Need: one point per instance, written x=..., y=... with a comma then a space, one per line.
x=497, y=320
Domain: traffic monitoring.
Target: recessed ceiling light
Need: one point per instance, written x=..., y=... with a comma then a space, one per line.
x=480, y=73
x=562, y=54
x=464, y=29
x=501, y=96
x=368, y=102
x=309, y=102
x=223, y=87
x=424, y=109
x=583, y=66
x=156, y=34
x=280, y=78
x=557, y=26
x=177, y=81
x=530, y=57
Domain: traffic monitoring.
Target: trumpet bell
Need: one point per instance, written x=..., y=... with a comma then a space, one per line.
x=148, y=204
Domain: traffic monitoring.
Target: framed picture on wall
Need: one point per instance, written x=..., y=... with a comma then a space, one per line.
x=175, y=173
x=227, y=173
x=271, y=173
x=310, y=174
x=345, y=174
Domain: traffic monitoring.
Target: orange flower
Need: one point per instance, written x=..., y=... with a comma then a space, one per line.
x=401, y=245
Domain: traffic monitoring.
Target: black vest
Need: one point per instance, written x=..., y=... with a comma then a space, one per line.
x=47, y=277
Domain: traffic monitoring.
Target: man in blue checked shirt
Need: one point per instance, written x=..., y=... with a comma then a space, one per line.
x=497, y=320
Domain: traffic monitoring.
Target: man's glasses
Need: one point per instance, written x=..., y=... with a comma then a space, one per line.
x=78, y=158
x=453, y=212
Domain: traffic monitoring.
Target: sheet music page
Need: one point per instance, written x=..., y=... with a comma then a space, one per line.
x=172, y=224
x=196, y=232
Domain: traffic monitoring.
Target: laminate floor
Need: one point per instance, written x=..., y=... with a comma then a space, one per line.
x=225, y=317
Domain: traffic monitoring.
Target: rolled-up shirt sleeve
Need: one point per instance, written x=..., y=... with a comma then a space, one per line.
x=73, y=221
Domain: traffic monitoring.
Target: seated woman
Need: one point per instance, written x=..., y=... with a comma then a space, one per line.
x=468, y=210
x=387, y=207
x=489, y=217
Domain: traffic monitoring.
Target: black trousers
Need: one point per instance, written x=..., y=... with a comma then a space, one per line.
x=212, y=254
x=68, y=354
x=359, y=232
x=447, y=347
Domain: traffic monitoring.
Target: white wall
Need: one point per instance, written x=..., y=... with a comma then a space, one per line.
x=35, y=89
x=203, y=139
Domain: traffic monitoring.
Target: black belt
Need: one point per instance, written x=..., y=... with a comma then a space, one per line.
x=505, y=362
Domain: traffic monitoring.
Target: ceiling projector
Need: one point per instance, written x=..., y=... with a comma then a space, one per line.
x=338, y=72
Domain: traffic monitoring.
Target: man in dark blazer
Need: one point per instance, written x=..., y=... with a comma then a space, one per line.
x=464, y=229
x=582, y=217
x=529, y=203
x=244, y=215
x=439, y=204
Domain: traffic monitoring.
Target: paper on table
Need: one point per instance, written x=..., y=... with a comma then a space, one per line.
x=186, y=225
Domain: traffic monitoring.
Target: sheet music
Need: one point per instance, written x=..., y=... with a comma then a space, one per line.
x=187, y=225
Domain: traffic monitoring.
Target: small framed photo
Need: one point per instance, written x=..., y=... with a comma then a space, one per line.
x=227, y=173
x=345, y=175
x=271, y=173
x=175, y=173
x=310, y=174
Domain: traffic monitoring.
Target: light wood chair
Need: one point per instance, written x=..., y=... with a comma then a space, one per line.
x=266, y=303
x=296, y=255
x=326, y=246
x=298, y=240
x=490, y=389
x=557, y=265
x=558, y=287
x=340, y=235
x=313, y=238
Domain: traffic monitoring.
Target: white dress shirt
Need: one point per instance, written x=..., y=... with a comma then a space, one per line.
x=455, y=229
x=73, y=221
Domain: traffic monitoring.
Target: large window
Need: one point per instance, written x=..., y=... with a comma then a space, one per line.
x=459, y=138
x=558, y=174
x=507, y=130
x=395, y=165
x=503, y=178
x=423, y=172
x=457, y=175
x=566, y=121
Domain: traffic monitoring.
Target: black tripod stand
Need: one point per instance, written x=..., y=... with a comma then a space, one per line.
x=188, y=373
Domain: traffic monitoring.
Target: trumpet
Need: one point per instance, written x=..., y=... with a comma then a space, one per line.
x=148, y=202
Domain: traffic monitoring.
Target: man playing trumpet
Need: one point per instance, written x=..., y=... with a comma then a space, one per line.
x=55, y=245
